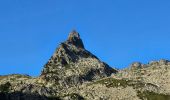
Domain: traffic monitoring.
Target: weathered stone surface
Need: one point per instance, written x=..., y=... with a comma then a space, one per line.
x=72, y=64
x=74, y=38
x=73, y=73
x=155, y=72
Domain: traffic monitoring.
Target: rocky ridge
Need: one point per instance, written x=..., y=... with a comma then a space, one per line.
x=155, y=72
x=72, y=64
x=73, y=73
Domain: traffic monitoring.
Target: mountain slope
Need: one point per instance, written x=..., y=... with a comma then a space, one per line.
x=73, y=73
x=72, y=64
x=155, y=72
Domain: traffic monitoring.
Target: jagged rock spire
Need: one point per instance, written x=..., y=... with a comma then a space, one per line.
x=74, y=38
x=71, y=64
x=74, y=33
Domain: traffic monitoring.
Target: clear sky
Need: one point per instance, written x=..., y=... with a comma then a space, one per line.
x=119, y=32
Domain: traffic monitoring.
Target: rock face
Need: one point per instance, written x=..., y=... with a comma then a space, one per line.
x=72, y=64
x=73, y=73
x=155, y=72
x=74, y=38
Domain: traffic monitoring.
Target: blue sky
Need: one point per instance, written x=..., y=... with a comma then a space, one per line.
x=119, y=32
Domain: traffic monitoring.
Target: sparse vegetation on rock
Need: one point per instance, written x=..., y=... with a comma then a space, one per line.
x=73, y=73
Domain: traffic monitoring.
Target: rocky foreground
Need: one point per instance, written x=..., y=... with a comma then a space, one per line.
x=73, y=73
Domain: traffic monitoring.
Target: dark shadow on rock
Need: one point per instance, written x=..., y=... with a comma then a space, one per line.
x=22, y=96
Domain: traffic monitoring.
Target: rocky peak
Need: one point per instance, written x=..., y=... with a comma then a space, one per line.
x=74, y=38
x=65, y=77
x=160, y=62
x=74, y=34
x=72, y=64
x=137, y=65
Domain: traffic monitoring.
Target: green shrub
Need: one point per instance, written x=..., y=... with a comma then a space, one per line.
x=152, y=96
x=5, y=87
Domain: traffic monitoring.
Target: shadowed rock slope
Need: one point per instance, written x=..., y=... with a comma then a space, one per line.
x=72, y=64
x=73, y=73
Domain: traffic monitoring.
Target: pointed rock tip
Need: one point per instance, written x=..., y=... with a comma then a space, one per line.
x=74, y=34
x=74, y=38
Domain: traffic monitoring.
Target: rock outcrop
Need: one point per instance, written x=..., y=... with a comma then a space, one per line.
x=73, y=73
x=72, y=64
x=155, y=72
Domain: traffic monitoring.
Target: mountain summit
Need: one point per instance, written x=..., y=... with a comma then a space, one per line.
x=72, y=64
x=75, y=39
x=73, y=73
